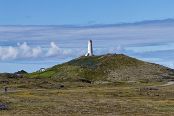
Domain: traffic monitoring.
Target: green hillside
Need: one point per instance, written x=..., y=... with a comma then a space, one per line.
x=110, y=67
x=99, y=85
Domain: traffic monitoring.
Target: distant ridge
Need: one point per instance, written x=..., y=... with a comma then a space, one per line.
x=138, y=23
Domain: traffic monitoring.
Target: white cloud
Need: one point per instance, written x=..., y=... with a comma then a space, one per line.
x=24, y=51
x=8, y=53
x=36, y=51
x=19, y=51
x=53, y=50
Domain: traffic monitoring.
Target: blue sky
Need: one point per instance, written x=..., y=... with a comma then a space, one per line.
x=43, y=33
x=82, y=12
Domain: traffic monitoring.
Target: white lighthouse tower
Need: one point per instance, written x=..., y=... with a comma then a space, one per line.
x=90, y=49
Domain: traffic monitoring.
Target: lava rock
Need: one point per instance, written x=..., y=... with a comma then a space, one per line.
x=62, y=86
x=84, y=81
x=3, y=106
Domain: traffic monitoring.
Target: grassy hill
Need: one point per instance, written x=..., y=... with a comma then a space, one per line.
x=135, y=87
x=110, y=68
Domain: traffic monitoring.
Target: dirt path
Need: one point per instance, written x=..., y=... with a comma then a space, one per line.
x=168, y=83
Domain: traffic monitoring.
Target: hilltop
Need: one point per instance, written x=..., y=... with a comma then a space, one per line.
x=109, y=67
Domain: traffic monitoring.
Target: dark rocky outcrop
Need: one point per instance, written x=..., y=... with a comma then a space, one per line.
x=3, y=106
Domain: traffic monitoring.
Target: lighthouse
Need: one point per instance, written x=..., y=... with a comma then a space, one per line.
x=90, y=49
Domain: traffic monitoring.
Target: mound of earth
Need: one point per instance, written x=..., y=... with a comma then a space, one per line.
x=110, y=67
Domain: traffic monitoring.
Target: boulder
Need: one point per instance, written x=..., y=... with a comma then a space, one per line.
x=3, y=106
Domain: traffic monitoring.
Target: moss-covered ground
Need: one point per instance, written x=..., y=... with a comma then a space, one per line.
x=119, y=98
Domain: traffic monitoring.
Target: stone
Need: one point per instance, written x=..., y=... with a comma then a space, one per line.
x=3, y=106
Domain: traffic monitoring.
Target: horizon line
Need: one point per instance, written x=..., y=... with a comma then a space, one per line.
x=98, y=24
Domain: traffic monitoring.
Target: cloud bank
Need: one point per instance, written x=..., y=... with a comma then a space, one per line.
x=151, y=41
x=24, y=51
